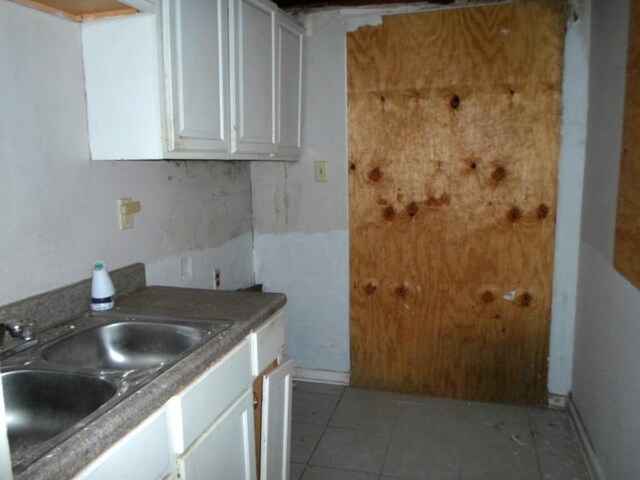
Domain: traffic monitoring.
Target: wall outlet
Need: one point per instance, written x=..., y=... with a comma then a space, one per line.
x=186, y=268
x=216, y=278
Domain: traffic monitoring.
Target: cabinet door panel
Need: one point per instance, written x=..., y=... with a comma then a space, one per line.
x=276, y=423
x=289, y=87
x=143, y=453
x=120, y=58
x=254, y=76
x=207, y=397
x=196, y=54
x=225, y=451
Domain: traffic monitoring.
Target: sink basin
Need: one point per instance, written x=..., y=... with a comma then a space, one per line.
x=41, y=404
x=85, y=366
x=125, y=345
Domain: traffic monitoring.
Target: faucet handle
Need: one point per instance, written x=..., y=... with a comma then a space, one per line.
x=23, y=330
x=28, y=331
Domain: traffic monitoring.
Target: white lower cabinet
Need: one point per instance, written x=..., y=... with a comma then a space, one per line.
x=194, y=409
x=143, y=453
x=207, y=431
x=226, y=450
x=276, y=423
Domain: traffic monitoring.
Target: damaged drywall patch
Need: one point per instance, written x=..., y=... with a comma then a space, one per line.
x=233, y=259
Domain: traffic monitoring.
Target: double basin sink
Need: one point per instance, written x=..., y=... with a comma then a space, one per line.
x=84, y=367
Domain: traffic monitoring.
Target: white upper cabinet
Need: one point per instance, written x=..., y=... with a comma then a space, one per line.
x=122, y=85
x=289, y=87
x=198, y=79
x=254, y=71
x=196, y=75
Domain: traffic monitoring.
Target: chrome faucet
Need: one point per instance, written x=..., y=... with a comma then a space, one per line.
x=22, y=330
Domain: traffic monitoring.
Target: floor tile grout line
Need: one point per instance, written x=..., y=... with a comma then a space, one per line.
x=324, y=431
x=323, y=393
x=393, y=428
x=342, y=469
x=535, y=443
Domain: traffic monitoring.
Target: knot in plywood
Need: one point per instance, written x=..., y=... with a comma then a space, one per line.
x=514, y=214
x=454, y=102
x=375, y=174
x=370, y=288
x=543, y=211
x=487, y=297
x=412, y=209
x=401, y=291
x=499, y=173
x=440, y=201
x=525, y=299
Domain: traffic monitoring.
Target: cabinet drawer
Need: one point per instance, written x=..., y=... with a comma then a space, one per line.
x=193, y=411
x=267, y=343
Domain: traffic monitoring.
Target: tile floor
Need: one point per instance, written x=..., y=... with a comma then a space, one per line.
x=343, y=433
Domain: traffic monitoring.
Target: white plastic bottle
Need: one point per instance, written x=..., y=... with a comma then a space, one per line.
x=102, y=290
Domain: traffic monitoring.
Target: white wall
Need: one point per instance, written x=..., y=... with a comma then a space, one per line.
x=58, y=209
x=606, y=377
x=300, y=227
x=570, y=181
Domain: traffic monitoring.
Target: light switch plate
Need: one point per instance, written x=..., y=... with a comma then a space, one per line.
x=321, y=171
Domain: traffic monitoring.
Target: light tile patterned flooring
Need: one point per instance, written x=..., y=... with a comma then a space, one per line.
x=343, y=433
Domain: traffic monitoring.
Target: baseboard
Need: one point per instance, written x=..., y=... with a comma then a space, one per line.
x=321, y=376
x=590, y=459
x=557, y=401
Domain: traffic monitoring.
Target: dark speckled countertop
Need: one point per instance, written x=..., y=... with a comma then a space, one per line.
x=247, y=309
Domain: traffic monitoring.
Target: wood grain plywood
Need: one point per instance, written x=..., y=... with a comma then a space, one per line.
x=627, y=244
x=454, y=120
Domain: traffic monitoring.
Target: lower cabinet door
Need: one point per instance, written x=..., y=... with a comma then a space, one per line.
x=226, y=450
x=142, y=454
x=276, y=423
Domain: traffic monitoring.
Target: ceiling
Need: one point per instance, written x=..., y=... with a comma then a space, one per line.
x=92, y=9
x=313, y=4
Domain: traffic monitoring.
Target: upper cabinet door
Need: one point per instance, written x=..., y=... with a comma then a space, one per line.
x=196, y=75
x=253, y=72
x=289, y=92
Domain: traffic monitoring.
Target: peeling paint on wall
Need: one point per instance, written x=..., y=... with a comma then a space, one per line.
x=232, y=259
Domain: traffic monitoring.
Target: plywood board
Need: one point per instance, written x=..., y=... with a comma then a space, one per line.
x=627, y=245
x=454, y=121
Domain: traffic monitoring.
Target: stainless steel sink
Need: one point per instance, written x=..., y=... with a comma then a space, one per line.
x=85, y=366
x=125, y=345
x=41, y=404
